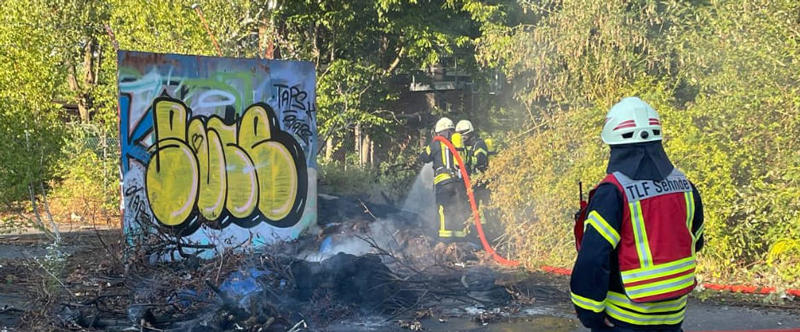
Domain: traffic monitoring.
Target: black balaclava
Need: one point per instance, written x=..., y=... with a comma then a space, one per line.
x=640, y=161
x=469, y=138
x=447, y=133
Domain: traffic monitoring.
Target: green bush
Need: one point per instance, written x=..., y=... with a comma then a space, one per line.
x=340, y=179
x=730, y=106
x=391, y=180
x=87, y=188
x=397, y=174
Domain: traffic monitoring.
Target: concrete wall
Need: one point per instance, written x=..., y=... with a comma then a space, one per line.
x=217, y=150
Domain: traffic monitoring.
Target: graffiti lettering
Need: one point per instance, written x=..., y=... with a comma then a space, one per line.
x=130, y=141
x=299, y=111
x=216, y=98
x=132, y=190
x=292, y=97
x=299, y=127
x=141, y=213
x=203, y=168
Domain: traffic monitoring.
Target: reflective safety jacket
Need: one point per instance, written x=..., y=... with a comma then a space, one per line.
x=656, y=246
x=637, y=259
x=477, y=156
x=444, y=164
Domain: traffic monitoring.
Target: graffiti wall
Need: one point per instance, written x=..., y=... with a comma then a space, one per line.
x=217, y=150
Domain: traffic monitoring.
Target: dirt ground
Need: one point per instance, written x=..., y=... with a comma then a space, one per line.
x=92, y=271
x=24, y=254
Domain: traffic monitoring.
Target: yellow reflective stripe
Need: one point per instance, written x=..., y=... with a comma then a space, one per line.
x=479, y=151
x=445, y=233
x=428, y=149
x=639, y=319
x=699, y=232
x=441, y=177
x=459, y=234
x=659, y=270
x=661, y=287
x=603, y=227
x=622, y=301
x=688, y=197
x=463, y=153
x=441, y=219
x=588, y=304
x=640, y=235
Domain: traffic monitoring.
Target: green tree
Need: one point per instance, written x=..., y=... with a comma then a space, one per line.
x=361, y=47
x=29, y=119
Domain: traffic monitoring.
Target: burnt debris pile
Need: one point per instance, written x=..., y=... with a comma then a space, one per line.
x=366, y=260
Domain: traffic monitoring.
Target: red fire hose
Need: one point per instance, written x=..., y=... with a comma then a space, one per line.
x=488, y=248
x=783, y=330
x=512, y=263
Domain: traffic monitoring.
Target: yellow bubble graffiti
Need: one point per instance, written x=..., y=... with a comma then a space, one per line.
x=171, y=178
x=241, y=174
x=246, y=172
x=207, y=146
x=277, y=178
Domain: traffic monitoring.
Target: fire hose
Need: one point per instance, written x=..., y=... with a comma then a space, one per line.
x=512, y=263
x=475, y=216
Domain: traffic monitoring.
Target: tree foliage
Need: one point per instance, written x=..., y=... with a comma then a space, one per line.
x=361, y=47
x=29, y=122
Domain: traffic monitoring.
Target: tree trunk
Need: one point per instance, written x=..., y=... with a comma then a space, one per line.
x=333, y=46
x=277, y=30
x=430, y=99
x=357, y=145
x=315, y=45
x=329, y=149
x=81, y=89
x=366, y=151
x=371, y=152
x=85, y=100
x=262, y=35
x=88, y=63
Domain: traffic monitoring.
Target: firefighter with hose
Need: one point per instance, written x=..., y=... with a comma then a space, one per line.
x=476, y=158
x=476, y=154
x=642, y=229
x=449, y=190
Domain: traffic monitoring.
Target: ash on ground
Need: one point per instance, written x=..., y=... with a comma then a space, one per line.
x=361, y=261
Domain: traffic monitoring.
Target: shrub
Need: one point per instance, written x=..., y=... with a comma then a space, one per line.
x=340, y=179
x=87, y=188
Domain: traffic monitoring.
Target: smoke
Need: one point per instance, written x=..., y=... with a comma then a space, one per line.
x=381, y=231
x=419, y=202
x=420, y=199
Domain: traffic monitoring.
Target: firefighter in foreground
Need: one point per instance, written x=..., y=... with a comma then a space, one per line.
x=451, y=199
x=643, y=227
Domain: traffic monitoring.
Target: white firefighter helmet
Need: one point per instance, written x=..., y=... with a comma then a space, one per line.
x=631, y=121
x=464, y=127
x=443, y=124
